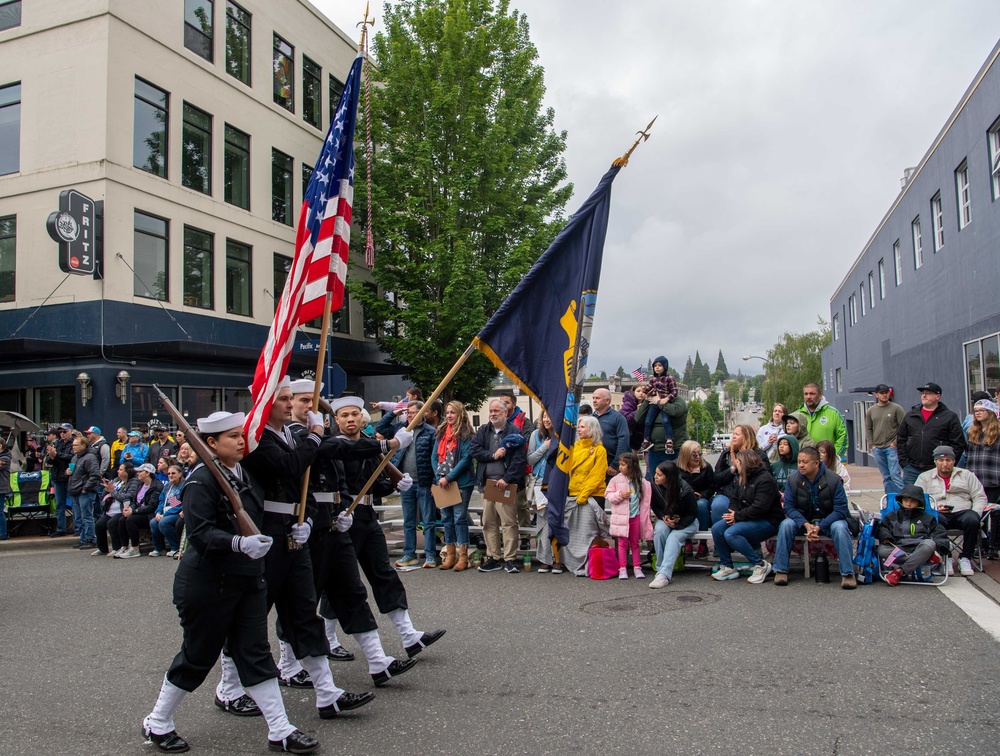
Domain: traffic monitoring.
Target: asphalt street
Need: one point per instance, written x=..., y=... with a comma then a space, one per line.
x=531, y=664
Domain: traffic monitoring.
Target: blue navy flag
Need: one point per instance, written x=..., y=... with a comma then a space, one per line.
x=555, y=305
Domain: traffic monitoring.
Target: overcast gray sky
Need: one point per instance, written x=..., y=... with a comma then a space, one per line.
x=783, y=131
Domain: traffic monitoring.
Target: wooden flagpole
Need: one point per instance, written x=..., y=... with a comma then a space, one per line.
x=415, y=422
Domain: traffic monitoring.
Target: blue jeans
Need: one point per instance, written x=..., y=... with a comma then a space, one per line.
x=910, y=474
x=429, y=514
x=720, y=505
x=704, y=515
x=888, y=464
x=668, y=428
x=840, y=532
x=164, y=532
x=60, y=491
x=744, y=537
x=83, y=516
x=668, y=544
x=455, y=520
x=654, y=458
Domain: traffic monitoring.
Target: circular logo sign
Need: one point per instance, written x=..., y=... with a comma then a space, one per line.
x=74, y=262
x=67, y=227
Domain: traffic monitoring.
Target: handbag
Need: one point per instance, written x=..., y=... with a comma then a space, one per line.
x=602, y=561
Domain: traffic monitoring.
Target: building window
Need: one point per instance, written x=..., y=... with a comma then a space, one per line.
x=281, y=267
x=918, y=244
x=312, y=93
x=198, y=268
x=150, y=256
x=937, y=222
x=10, y=129
x=974, y=367
x=8, y=250
x=881, y=279
x=196, y=150
x=284, y=74
x=852, y=309
x=149, y=137
x=871, y=291
x=336, y=88
x=10, y=15
x=237, y=168
x=238, y=42
x=836, y=327
x=281, y=187
x=862, y=297
x=963, y=195
x=861, y=438
x=307, y=173
x=238, y=282
x=198, y=27
x=994, y=140
x=840, y=383
x=897, y=260
x=340, y=321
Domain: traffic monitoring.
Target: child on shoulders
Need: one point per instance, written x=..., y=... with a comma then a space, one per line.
x=662, y=389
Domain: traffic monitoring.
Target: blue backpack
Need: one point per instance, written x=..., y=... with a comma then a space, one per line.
x=866, y=557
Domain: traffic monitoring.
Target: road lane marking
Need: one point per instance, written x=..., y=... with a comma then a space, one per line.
x=980, y=608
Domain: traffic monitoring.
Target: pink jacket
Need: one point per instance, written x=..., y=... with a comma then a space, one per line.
x=618, y=496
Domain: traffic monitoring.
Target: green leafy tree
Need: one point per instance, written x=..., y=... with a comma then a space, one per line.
x=604, y=376
x=797, y=360
x=732, y=389
x=469, y=181
x=688, y=372
x=712, y=406
x=745, y=396
x=721, y=371
x=700, y=425
x=620, y=372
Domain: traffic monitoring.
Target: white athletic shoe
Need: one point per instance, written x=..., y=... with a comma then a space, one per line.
x=951, y=566
x=965, y=567
x=760, y=573
x=726, y=573
x=660, y=581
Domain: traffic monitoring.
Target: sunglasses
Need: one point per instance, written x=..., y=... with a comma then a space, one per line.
x=696, y=454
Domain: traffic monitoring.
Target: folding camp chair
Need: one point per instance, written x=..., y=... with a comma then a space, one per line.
x=957, y=537
x=30, y=500
x=928, y=573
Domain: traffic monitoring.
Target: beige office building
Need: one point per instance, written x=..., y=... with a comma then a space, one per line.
x=196, y=123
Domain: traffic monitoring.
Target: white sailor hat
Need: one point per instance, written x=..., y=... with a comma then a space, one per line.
x=305, y=386
x=283, y=383
x=348, y=401
x=219, y=422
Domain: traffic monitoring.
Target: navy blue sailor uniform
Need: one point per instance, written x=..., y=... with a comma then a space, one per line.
x=219, y=592
x=279, y=463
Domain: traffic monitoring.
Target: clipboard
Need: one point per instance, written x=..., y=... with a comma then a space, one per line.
x=506, y=495
x=446, y=497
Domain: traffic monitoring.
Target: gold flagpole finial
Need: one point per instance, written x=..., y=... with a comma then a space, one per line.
x=364, y=24
x=643, y=136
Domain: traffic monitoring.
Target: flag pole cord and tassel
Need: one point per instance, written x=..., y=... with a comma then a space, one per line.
x=363, y=47
x=418, y=418
x=325, y=333
x=643, y=136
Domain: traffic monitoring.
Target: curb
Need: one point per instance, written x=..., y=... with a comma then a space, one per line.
x=38, y=543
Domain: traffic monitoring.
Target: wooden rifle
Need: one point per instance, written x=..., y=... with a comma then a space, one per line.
x=244, y=524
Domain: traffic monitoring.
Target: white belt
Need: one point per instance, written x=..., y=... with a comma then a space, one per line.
x=279, y=507
x=325, y=497
x=365, y=500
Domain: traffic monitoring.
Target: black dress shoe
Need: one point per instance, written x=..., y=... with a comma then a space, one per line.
x=398, y=667
x=425, y=640
x=299, y=680
x=169, y=742
x=346, y=702
x=57, y=534
x=297, y=742
x=340, y=654
x=244, y=706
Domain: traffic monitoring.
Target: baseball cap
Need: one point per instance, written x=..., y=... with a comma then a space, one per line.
x=135, y=433
x=146, y=467
x=66, y=426
x=943, y=451
x=94, y=429
x=881, y=388
x=930, y=386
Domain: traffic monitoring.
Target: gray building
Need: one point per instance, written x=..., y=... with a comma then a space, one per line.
x=920, y=302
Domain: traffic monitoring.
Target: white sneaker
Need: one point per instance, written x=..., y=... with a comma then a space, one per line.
x=951, y=566
x=660, y=581
x=965, y=567
x=640, y=575
x=171, y=553
x=760, y=572
x=130, y=554
x=726, y=573
x=156, y=553
x=96, y=552
x=623, y=574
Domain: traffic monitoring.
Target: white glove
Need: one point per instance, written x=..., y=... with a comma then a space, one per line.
x=255, y=546
x=405, y=484
x=344, y=522
x=404, y=437
x=314, y=418
x=300, y=533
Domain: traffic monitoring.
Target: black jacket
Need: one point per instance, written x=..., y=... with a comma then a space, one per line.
x=86, y=475
x=908, y=527
x=686, y=507
x=758, y=499
x=915, y=439
x=701, y=482
x=725, y=478
x=278, y=468
x=515, y=461
x=60, y=464
x=151, y=499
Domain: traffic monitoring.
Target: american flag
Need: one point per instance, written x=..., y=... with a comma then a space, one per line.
x=638, y=374
x=322, y=241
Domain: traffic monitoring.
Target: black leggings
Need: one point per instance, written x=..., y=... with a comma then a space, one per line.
x=107, y=525
x=130, y=527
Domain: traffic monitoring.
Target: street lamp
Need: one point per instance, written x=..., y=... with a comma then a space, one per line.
x=767, y=362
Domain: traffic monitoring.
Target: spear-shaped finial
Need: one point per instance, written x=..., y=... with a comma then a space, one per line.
x=364, y=24
x=643, y=136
